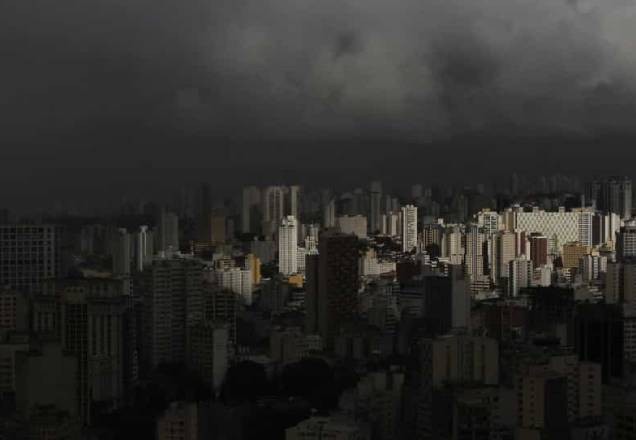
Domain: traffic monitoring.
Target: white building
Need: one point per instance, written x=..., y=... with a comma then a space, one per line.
x=558, y=226
x=237, y=280
x=288, y=246
x=409, y=228
x=520, y=275
x=488, y=221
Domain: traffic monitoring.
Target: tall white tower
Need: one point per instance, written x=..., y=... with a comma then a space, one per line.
x=409, y=228
x=288, y=246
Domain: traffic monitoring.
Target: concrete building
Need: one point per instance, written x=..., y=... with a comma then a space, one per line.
x=172, y=291
x=237, y=280
x=288, y=246
x=250, y=203
x=167, y=239
x=409, y=228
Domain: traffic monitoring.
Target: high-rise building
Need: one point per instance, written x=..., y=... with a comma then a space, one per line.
x=29, y=255
x=375, y=206
x=559, y=226
x=409, y=228
x=446, y=302
x=504, y=253
x=218, y=228
x=143, y=248
x=288, y=246
x=168, y=233
x=337, y=298
x=626, y=242
x=520, y=275
x=273, y=204
x=203, y=211
x=121, y=253
x=612, y=195
x=329, y=214
x=488, y=221
x=92, y=328
x=237, y=280
x=172, y=291
x=293, y=206
x=475, y=258
x=538, y=249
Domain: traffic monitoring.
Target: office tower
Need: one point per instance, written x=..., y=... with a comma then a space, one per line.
x=409, y=228
x=29, y=255
x=626, y=242
x=352, y=224
x=203, y=211
x=572, y=253
x=207, y=352
x=288, y=246
x=46, y=375
x=92, y=328
x=446, y=302
x=168, y=233
x=538, y=249
x=312, y=276
x=520, y=275
x=488, y=221
x=586, y=228
x=142, y=248
x=329, y=214
x=179, y=422
x=249, y=209
x=121, y=253
x=273, y=204
x=375, y=206
x=218, y=230
x=237, y=280
x=300, y=258
x=337, y=282
x=172, y=291
x=475, y=257
x=504, y=253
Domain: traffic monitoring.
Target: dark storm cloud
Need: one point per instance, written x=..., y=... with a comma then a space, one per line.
x=102, y=82
x=289, y=68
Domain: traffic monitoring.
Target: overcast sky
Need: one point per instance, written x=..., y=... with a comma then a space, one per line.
x=137, y=95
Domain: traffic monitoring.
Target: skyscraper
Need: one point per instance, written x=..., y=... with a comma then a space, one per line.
x=337, y=298
x=168, y=234
x=172, y=291
x=538, y=249
x=288, y=246
x=409, y=228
